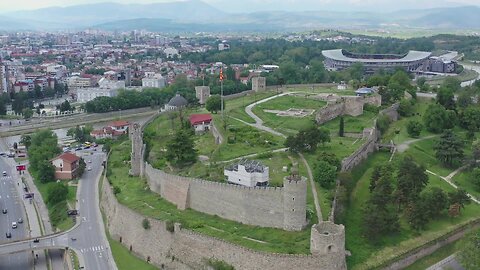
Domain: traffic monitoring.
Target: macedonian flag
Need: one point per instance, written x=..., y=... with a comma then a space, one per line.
x=221, y=74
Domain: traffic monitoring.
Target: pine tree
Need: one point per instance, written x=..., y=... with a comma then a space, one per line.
x=342, y=127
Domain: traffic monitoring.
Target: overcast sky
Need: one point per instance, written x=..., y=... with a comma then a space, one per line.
x=259, y=5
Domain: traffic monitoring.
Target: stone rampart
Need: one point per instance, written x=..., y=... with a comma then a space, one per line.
x=362, y=153
x=346, y=105
x=184, y=249
x=260, y=206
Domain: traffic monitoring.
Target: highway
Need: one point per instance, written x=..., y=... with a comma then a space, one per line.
x=88, y=236
x=10, y=200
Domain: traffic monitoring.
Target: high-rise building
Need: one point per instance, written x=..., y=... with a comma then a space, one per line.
x=3, y=79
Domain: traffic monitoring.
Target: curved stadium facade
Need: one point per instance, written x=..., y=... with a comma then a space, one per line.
x=341, y=59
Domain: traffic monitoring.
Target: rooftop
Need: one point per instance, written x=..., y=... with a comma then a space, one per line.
x=343, y=55
x=251, y=166
x=200, y=118
x=69, y=157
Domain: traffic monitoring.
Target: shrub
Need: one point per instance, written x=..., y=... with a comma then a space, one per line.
x=146, y=224
x=383, y=122
x=170, y=226
x=219, y=265
x=116, y=190
x=414, y=128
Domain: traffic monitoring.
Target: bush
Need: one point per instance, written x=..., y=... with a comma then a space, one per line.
x=383, y=122
x=414, y=128
x=170, y=226
x=219, y=265
x=116, y=190
x=146, y=224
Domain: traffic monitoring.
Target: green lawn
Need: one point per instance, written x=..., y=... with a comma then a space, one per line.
x=288, y=125
x=462, y=179
x=136, y=196
x=126, y=260
x=366, y=255
x=236, y=107
x=58, y=212
x=352, y=124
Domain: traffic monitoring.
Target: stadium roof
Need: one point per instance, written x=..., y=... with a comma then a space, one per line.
x=411, y=56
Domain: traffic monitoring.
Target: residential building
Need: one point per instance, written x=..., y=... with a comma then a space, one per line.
x=79, y=82
x=171, y=52
x=201, y=122
x=66, y=166
x=153, y=79
x=223, y=46
x=3, y=79
x=113, y=130
x=88, y=94
x=249, y=173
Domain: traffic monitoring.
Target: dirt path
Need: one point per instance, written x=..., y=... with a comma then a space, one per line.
x=406, y=144
x=314, y=189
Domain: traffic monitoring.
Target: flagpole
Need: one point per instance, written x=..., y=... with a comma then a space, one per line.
x=221, y=97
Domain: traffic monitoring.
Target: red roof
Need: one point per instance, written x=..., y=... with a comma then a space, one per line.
x=200, y=118
x=120, y=123
x=69, y=157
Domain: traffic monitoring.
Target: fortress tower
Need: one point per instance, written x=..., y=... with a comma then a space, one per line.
x=135, y=133
x=294, y=203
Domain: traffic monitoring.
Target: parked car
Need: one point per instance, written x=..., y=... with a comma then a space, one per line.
x=8, y=234
x=89, y=168
x=14, y=225
x=20, y=220
x=4, y=173
x=4, y=210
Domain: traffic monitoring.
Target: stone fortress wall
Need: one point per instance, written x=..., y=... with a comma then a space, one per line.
x=345, y=105
x=184, y=249
x=283, y=208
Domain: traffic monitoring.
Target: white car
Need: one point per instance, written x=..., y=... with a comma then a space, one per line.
x=14, y=225
x=4, y=173
x=89, y=168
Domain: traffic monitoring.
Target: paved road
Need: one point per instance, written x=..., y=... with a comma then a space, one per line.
x=87, y=237
x=10, y=199
x=449, y=263
x=471, y=67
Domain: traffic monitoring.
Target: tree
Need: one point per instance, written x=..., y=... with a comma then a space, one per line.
x=331, y=159
x=475, y=178
x=81, y=167
x=324, y=173
x=27, y=113
x=421, y=82
x=43, y=147
x=56, y=193
x=412, y=179
x=470, y=119
x=308, y=139
x=38, y=91
x=181, y=148
x=464, y=100
x=214, y=104
x=341, y=129
x=26, y=140
x=380, y=216
x=46, y=173
x=435, y=118
x=436, y=201
x=459, y=196
x=452, y=83
x=65, y=106
x=445, y=98
x=449, y=149
x=414, y=128
x=469, y=250
x=416, y=214
x=405, y=108
x=383, y=122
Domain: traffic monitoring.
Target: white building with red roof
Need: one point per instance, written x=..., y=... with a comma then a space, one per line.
x=113, y=130
x=201, y=122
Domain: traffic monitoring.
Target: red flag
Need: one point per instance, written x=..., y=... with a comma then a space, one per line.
x=221, y=74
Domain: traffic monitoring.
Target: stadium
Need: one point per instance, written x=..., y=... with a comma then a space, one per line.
x=340, y=59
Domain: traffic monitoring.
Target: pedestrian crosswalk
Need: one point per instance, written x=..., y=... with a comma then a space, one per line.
x=5, y=178
x=92, y=249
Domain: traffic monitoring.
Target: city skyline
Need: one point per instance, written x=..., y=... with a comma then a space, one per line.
x=257, y=5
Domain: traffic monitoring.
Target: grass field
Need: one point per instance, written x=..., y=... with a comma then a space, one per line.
x=287, y=125
x=352, y=124
x=126, y=260
x=462, y=179
x=366, y=255
x=134, y=195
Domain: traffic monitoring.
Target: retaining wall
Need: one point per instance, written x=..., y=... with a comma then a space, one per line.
x=185, y=249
